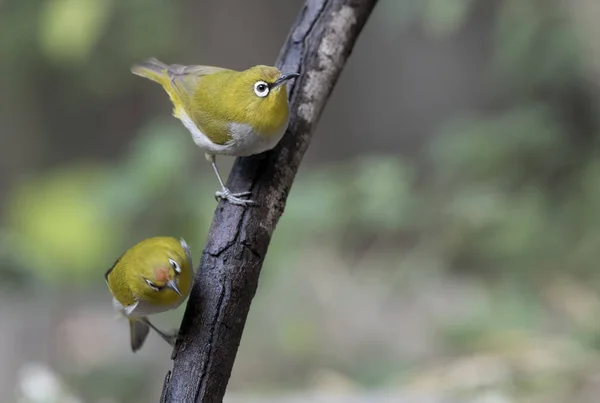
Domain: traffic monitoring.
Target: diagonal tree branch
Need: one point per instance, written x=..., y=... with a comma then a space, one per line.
x=318, y=46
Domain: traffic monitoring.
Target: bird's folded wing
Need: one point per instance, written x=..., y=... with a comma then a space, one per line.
x=184, y=79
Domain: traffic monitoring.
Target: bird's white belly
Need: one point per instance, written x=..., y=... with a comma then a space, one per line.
x=143, y=308
x=244, y=140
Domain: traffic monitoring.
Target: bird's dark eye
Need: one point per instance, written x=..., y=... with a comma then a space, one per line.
x=152, y=285
x=175, y=266
x=261, y=89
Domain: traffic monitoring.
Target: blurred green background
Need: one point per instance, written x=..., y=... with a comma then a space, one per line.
x=441, y=241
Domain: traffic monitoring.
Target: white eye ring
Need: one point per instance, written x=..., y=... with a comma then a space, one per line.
x=175, y=266
x=261, y=89
x=152, y=285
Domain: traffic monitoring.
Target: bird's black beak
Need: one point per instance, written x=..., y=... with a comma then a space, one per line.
x=173, y=286
x=283, y=79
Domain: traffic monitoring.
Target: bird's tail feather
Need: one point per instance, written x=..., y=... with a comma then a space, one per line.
x=152, y=69
x=138, y=331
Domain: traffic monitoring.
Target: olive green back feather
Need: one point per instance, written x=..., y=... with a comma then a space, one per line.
x=117, y=284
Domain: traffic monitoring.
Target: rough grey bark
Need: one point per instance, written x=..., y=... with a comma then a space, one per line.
x=318, y=46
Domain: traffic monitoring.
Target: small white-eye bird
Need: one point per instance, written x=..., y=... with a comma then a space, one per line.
x=228, y=112
x=153, y=276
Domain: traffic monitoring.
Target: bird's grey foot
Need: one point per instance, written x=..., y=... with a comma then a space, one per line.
x=170, y=337
x=235, y=198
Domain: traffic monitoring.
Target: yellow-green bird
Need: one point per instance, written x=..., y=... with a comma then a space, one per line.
x=153, y=276
x=228, y=112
